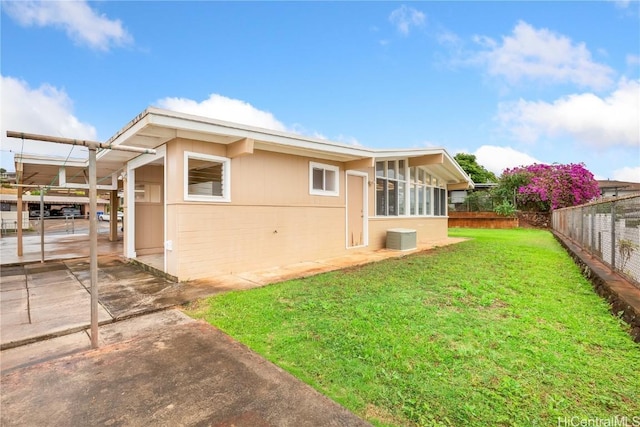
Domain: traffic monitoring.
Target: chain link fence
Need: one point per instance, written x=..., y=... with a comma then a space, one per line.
x=608, y=229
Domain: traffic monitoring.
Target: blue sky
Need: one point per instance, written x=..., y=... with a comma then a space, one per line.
x=512, y=82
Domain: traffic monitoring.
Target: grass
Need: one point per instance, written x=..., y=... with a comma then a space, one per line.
x=499, y=330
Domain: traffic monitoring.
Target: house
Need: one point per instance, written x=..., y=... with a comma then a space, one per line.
x=610, y=188
x=219, y=198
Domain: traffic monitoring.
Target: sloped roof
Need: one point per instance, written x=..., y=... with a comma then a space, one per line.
x=154, y=127
x=621, y=185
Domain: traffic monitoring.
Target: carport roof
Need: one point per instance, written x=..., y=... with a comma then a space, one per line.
x=155, y=127
x=33, y=170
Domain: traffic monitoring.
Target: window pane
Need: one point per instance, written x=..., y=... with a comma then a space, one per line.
x=329, y=180
x=412, y=172
x=436, y=202
x=401, y=174
x=205, y=177
x=401, y=198
x=140, y=193
x=324, y=180
x=428, y=201
x=318, y=179
x=420, y=191
x=379, y=168
x=391, y=169
x=443, y=202
x=392, y=194
x=421, y=176
x=381, y=199
x=412, y=199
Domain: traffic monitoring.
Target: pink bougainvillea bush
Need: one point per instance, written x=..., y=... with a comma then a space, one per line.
x=546, y=187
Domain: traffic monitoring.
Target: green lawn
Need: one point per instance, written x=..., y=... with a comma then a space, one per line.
x=498, y=330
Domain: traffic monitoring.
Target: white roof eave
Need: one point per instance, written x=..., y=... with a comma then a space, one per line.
x=291, y=143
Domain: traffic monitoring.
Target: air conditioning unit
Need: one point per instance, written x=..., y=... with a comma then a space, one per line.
x=401, y=239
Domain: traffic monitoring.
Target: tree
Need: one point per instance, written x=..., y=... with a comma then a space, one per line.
x=478, y=173
x=541, y=187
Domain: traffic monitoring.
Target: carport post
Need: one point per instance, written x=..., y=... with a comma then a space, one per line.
x=41, y=225
x=20, y=222
x=93, y=249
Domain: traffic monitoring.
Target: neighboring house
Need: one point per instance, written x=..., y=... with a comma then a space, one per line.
x=609, y=188
x=220, y=198
x=457, y=198
x=7, y=178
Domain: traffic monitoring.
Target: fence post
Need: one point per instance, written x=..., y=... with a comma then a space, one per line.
x=582, y=226
x=593, y=228
x=613, y=235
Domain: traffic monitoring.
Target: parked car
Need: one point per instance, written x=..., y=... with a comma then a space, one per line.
x=73, y=212
x=36, y=213
x=55, y=212
x=107, y=217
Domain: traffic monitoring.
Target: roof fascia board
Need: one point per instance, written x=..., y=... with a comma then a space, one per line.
x=72, y=185
x=132, y=128
x=50, y=199
x=175, y=120
x=51, y=161
x=205, y=125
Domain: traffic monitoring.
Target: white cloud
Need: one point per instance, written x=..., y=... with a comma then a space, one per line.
x=404, y=18
x=237, y=111
x=448, y=38
x=349, y=140
x=542, y=55
x=591, y=120
x=81, y=23
x=633, y=59
x=44, y=110
x=622, y=4
x=223, y=108
x=497, y=159
x=627, y=174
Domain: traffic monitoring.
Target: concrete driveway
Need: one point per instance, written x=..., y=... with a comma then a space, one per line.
x=155, y=365
x=44, y=300
x=167, y=370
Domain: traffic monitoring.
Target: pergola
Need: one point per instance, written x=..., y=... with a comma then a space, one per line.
x=43, y=172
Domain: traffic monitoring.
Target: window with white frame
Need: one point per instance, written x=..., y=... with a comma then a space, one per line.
x=404, y=190
x=206, y=177
x=323, y=179
x=391, y=187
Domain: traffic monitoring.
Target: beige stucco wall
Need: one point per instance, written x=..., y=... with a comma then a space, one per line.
x=230, y=239
x=272, y=220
